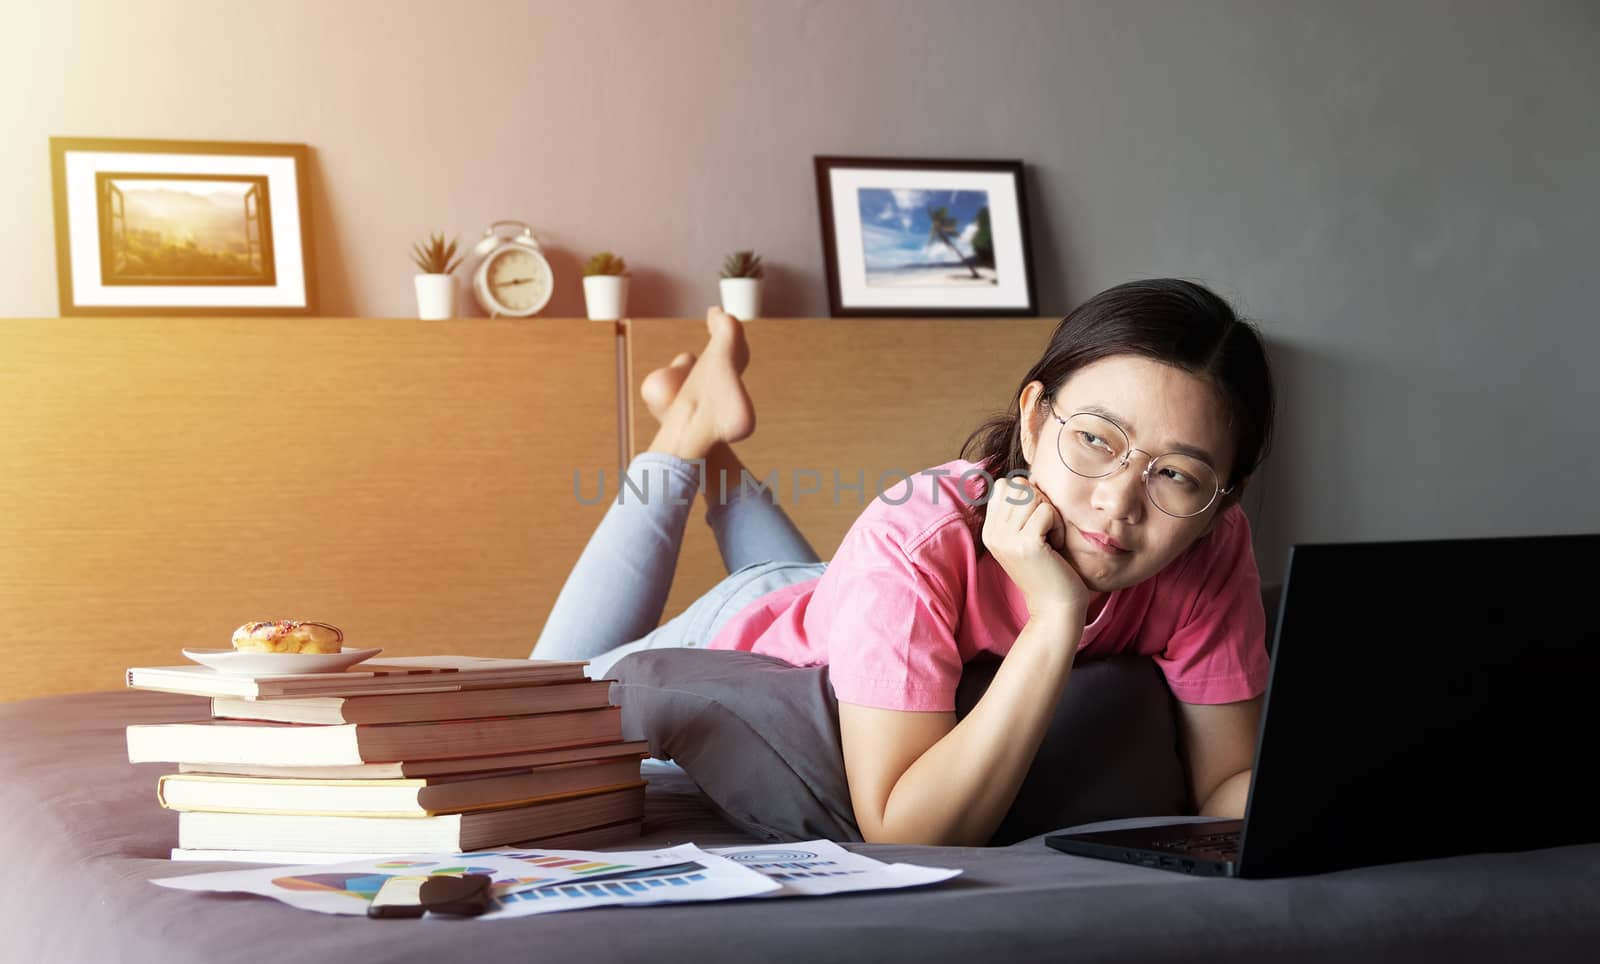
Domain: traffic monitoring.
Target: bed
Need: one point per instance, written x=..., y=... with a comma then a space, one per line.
x=84, y=836
x=433, y=518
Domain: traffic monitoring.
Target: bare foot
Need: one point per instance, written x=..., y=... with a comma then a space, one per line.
x=710, y=404
x=661, y=386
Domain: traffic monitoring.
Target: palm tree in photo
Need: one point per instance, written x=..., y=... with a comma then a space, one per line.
x=982, y=240
x=940, y=228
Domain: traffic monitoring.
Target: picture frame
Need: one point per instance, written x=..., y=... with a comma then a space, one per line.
x=893, y=250
x=169, y=227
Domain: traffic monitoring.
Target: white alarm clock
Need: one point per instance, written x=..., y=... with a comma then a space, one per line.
x=513, y=278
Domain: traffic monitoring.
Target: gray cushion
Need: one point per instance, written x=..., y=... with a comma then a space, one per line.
x=1110, y=751
x=761, y=738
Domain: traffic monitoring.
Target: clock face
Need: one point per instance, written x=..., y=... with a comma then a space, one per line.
x=519, y=280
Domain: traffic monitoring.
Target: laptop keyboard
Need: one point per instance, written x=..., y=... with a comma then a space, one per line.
x=1225, y=844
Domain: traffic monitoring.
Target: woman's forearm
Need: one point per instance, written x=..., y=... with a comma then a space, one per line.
x=1228, y=799
x=959, y=790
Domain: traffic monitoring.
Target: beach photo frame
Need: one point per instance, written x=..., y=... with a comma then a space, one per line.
x=168, y=227
x=923, y=237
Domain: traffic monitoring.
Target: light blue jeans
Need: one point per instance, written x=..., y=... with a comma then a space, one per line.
x=617, y=592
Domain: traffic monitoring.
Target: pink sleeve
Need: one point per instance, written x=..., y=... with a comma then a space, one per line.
x=1219, y=653
x=890, y=624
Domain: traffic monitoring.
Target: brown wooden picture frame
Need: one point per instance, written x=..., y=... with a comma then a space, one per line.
x=894, y=243
x=169, y=227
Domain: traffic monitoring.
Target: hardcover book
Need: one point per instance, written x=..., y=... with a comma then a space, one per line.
x=592, y=838
x=411, y=707
x=409, y=769
x=387, y=798
x=295, y=744
x=451, y=833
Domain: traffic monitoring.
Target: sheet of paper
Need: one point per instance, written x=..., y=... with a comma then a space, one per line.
x=543, y=881
x=525, y=882
x=818, y=867
x=682, y=874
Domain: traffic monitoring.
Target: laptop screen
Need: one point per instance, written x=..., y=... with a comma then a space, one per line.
x=1427, y=698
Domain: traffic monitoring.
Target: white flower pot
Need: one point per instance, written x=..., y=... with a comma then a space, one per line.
x=606, y=296
x=436, y=296
x=741, y=297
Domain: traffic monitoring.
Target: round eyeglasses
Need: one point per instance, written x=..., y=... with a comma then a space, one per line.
x=1095, y=447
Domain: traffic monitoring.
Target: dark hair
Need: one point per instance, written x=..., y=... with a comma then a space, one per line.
x=1177, y=322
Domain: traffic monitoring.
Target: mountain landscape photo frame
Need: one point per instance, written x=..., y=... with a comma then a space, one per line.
x=166, y=227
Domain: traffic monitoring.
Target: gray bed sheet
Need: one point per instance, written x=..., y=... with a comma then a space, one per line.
x=83, y=835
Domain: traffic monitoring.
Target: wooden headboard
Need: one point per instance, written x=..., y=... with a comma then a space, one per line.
x=163, y=480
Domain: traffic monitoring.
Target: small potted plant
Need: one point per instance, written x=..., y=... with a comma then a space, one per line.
x=605, y=287
x=436, y=286
x=741, y=285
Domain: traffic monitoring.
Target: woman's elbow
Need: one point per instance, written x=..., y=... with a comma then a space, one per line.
x=911, y=833
x=890, y=835
x=884, y=835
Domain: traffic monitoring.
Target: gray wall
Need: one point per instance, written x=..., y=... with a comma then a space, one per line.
x=1403, y=194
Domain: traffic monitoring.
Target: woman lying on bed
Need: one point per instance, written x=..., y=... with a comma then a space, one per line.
x=1114, y=527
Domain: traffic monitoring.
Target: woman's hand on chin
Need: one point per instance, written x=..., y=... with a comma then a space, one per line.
x=1027, y=536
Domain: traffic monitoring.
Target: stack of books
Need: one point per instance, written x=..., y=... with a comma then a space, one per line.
x=395, y=756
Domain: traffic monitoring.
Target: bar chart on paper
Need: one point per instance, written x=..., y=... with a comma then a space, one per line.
x=554, y=882
x=638, y=884
x=523, y=882
x=817, y=867
x=527, y=882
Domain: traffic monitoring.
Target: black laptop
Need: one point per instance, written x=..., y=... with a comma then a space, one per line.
x=1426, y=699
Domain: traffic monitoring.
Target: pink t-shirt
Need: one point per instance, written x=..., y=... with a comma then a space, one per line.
x=906, y=602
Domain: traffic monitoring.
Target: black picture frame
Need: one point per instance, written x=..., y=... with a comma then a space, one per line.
x=871, y=224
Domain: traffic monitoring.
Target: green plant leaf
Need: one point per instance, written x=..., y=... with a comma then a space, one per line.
x=605, y=263
x=435, y=256
x=742, y=264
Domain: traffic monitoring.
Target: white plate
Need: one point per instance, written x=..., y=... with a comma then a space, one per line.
x=246, y=663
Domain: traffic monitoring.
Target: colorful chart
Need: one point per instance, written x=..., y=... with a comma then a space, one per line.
x=529, y=882
x=646, y=884
x=362, y=886
x=551, y=862
x=458, y=871
x=524, y=882
x=365, y=886
x=568, y=880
